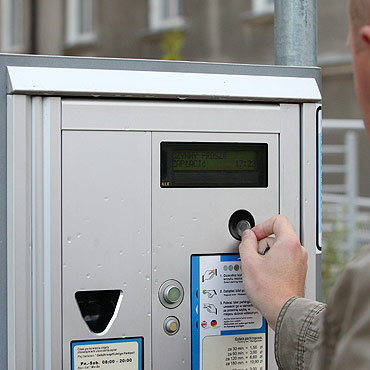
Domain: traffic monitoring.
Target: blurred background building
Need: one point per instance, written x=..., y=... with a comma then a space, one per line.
x=232, y=31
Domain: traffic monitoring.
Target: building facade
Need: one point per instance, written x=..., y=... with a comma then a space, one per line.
x=234, y=31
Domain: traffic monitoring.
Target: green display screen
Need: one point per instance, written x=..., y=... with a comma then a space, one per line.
x=213, y=164
x=211, y=160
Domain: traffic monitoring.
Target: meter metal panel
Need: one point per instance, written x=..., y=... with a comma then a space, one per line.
x=206, y=212
x=226, y=172
x=106, y=233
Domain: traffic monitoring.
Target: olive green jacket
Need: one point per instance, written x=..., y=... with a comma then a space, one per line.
x=312, y=336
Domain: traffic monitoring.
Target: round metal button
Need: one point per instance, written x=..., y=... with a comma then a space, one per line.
x=171, y=325
x=171, y=293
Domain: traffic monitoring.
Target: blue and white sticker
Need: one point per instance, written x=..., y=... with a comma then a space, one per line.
x=108, y=354
x=227, y=331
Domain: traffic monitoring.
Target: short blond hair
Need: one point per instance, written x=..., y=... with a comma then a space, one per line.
x=359, y=11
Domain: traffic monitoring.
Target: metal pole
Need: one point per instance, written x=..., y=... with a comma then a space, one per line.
x=33, y=27
x=296, y=32
x=351, y=189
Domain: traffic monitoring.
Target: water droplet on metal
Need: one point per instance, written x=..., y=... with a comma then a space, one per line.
x=79, y=235
x=156, y=281
x=195, y=219
x=185, y=338
x=149, y=314
x=88, y=276
x=147, y=277
x=106, y=199
x=182, y=245
x=124, y=284
x=183, y=360
x=64, y=265
x=121, y=252
x=140, y=272
x=99, y=265
x=171, y=217
x=69, y=240
x=154, y=269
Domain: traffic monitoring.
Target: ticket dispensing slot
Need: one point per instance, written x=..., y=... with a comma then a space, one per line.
x=98, y=308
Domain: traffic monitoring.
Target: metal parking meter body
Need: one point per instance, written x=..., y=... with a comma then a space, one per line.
x=127, y=188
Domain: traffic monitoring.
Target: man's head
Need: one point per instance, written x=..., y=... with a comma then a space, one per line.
x=359, y=44
x=359, y=11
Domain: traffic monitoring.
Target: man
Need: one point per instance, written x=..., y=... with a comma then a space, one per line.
x=274, y=281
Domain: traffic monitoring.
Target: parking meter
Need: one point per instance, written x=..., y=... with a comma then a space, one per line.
x=129, y=186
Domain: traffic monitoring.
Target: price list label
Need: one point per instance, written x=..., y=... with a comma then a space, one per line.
x=239, y=352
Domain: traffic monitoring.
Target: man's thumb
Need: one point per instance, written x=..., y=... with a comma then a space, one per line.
x=249, y=244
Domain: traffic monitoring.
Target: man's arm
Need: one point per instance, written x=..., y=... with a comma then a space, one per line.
x=274, y=282
x=297, y=334
x=345, y=333
x=271, y=278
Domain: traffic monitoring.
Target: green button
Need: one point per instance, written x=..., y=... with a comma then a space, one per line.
x=172, y=294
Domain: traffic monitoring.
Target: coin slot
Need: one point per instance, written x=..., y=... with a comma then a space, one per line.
x=240, y=221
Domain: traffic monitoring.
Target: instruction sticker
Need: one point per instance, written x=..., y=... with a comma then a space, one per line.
x=108, y=354
x=228, y=333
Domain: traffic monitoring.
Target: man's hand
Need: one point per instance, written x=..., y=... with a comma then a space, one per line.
x=271, y=278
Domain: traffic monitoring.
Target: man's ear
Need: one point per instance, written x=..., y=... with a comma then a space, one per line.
x=365, y=34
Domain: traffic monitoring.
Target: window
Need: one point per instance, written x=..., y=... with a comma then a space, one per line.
x=80, y=21
x=166, y=14
x=12, y=25
x=263, y=6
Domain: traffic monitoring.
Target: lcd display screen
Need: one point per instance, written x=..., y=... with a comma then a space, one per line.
x=194, y=164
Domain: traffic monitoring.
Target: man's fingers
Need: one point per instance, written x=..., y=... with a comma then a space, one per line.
x=249, y=244
x=265, y=244
x=277, y=225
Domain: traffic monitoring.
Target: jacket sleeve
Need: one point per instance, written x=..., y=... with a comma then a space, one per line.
x=297, y=333
x=345, y=336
